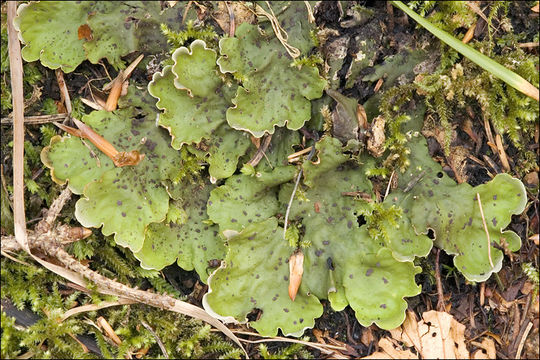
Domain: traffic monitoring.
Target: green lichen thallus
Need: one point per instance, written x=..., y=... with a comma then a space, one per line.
x=296, y=260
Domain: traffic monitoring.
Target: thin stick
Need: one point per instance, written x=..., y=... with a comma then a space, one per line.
x=440, y=294
x=57, y=205
x=260, y=151
x=92, y=104
x=16, y=72
x=311, y=153
x=291, y=200
x=294, y=157
x=482, y=293
x=39, y=119
x=529, y=44
x=109, y=331
x=389, y=184
x=64, y=93
x=523, y=338
x=486, y=229
x=186, y=11
x=232, y=24
x=414, y=181
x=502, y=153
x=322, y=347
x=94, y=307
x=160, y=343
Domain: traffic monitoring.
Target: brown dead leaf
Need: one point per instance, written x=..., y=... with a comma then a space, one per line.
x=361, y=116
x=438, y=335
x=367, y=336
x=467, y=127
x=456, y=160
x=389, y=351
x=60, y=107
x=408, y=331
x=241, y=12
x=531, y=179
x=376, y=137
x=488, y=347
x=536, y=8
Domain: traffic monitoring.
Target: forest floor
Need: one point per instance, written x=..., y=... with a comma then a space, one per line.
x=501, y=315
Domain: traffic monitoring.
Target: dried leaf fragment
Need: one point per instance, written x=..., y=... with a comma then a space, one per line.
x=296, y=269
x=84, y=32
x=437, y=336
x=376, y=139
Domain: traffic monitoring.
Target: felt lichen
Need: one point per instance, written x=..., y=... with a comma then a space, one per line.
x=341, y=255
x=123, y=200
x=77, y=30
x=194, y=101
x=267, y=98
x=428, y=197
x=212, y=104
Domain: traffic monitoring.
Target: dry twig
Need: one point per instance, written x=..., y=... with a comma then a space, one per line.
x=158, y=340
x=522, y=341
x=260, y=151
x=36, y=120
x=64, y=93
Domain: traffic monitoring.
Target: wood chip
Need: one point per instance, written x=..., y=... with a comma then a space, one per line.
x=469, y=34
x=109, y=331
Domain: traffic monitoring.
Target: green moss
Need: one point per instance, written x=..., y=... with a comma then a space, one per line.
x=375, y=215
x=31, y=286
x=511, y=113
x=391, y=108
x=179, y=38
x=446, y=15
x=292, y=351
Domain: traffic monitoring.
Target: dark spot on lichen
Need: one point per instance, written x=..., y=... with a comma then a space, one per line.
x=330, y=263
x=383, y=306
x=123, y=214
x=369, y=272
x=286, y=310
x=384, y=280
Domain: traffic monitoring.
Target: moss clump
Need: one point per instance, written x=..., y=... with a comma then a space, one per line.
x=510, y=112
x=179, y=38
x=33, y=287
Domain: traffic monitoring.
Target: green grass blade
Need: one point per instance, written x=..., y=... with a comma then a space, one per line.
x=493, y=67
